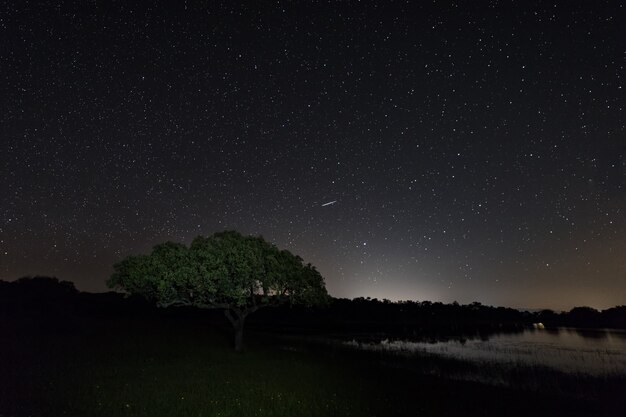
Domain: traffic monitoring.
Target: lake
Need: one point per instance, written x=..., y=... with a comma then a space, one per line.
x=597, y=352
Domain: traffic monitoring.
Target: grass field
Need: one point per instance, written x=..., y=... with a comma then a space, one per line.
x=173, y=368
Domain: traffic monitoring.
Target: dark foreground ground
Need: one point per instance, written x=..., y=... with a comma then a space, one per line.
x=148, y=367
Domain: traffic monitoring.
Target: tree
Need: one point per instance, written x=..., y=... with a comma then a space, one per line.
x=229, y=271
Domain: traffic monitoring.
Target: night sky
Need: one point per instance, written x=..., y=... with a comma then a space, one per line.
x=474, y=151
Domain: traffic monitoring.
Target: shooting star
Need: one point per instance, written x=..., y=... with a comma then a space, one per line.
x=329, y=203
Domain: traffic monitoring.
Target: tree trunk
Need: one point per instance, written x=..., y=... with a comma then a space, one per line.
x=239, y=334
x=237, y=322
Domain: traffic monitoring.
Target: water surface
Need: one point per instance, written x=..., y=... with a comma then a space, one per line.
x=594, y=352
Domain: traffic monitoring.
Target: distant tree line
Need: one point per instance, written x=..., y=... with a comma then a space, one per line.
x=614, y=317
x=54, y=299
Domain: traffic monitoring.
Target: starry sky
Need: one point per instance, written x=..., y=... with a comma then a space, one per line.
x=474, y=151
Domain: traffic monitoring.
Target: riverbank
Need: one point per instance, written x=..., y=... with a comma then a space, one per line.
x=103, y=367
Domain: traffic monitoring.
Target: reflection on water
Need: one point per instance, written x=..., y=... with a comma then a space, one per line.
x=594, y=352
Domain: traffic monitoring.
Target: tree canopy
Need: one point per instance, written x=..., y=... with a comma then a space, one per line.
x=227, y=270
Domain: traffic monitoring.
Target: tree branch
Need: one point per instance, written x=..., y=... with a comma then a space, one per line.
x=211, y=305
x=175, y=303
x=255, y=308
x=237, y=311
x=230, y=317
x=182, y=302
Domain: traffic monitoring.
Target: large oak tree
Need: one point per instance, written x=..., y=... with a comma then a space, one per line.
x=227, y=270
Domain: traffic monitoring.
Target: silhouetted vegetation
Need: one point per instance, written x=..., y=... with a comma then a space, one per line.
x=52, y=297
x=585, y=317
x=407, y=319
x=67, y=352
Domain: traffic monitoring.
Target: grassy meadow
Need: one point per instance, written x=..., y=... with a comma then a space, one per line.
x=104, y=367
